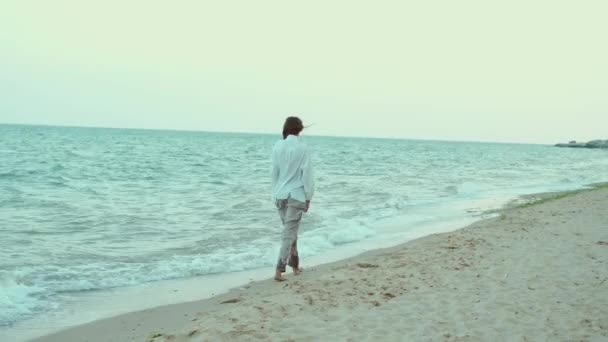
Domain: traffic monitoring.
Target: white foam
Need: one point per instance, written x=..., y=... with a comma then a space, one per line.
x=18, y=300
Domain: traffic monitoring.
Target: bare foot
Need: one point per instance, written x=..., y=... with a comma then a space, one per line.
x=297, y=271
x=279, y=276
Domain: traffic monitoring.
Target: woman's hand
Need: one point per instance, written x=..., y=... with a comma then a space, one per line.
x=307, y=206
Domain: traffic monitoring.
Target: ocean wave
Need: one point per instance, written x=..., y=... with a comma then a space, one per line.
x=215, y=182
x=356, y=231
x=57, y=167
x=58, y=183
x=8, y=174
x=18, y=300
x=19, y=174
x=50, y=280
x=451, y=189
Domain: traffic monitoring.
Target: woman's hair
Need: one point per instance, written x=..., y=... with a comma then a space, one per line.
x=293, y=125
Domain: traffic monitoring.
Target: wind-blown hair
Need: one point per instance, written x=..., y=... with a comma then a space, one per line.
x=293, y=126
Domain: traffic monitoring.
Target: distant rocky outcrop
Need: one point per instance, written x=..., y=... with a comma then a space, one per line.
x=590, y=144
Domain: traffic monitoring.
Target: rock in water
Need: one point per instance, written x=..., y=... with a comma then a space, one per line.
x=597, y=144
x=590, y=144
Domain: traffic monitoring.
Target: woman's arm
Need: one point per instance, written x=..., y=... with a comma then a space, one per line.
x=275, y=169
x=308, y=176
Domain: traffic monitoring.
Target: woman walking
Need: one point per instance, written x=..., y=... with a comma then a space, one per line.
x=292, y=191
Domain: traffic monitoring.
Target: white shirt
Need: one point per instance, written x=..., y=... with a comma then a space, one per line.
x=292, y=174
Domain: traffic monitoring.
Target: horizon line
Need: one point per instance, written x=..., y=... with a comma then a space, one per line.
x=268, y=133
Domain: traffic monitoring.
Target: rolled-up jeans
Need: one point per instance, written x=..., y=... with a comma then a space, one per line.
x=290, y=211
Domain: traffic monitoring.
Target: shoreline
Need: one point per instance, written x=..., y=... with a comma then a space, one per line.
x=93, y=306
x=324, y=296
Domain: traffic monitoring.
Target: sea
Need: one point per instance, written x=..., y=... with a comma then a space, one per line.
x=96, y=221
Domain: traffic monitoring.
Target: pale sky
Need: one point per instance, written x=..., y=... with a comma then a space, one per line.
x=520, y=71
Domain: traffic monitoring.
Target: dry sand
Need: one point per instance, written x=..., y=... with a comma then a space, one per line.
x=535, y=273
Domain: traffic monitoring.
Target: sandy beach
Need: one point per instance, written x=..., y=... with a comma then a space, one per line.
x=535, y=272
